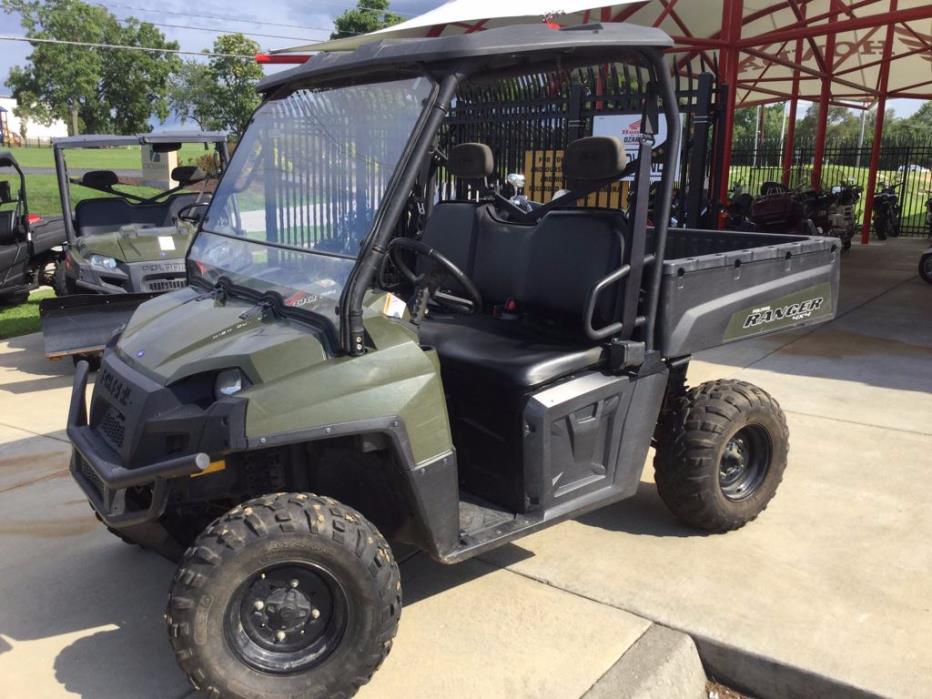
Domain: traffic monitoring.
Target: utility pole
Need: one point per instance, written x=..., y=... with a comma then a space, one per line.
x=864, y=113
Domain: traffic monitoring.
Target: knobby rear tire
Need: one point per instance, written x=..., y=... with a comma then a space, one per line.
x=692, y=443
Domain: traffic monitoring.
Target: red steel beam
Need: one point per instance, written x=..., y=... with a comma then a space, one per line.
x=280, y=58
x=806, y=69
x=882, y=82
x=732, y=11
x=849, y=25
x=874, y=64
x=789, y=143
x=822, y=124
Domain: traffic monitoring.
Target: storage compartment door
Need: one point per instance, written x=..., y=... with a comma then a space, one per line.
x=589, y=434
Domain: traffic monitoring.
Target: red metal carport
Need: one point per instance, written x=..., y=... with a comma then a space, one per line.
x=853, y=53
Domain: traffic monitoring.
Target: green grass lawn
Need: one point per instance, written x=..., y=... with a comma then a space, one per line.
x=42, y=191
x=23, y=319
x=99, y=158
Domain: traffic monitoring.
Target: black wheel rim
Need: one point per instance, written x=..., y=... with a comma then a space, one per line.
x=287, y=618
x=744, y=463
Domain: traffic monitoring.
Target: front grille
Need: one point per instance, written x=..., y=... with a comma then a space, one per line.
x=165, y=284
x=113, y=428
x=92, y=476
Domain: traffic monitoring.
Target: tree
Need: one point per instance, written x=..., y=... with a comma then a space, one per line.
x=367, y=16
x=105, y=90
x=26, y=109
x=221, y=94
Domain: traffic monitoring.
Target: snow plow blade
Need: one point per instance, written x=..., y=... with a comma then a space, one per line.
x=84, y=323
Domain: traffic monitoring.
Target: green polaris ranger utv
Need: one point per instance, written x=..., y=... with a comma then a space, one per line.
x=30, y=245
x=375, y=345
x=125, y=243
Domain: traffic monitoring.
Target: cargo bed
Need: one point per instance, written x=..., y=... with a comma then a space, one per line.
x=723, y=286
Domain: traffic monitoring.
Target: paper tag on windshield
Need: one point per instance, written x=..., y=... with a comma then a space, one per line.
x=394, y=307
x=166, y=243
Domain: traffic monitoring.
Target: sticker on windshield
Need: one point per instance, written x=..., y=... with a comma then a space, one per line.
x=394, y=307
x=166, y=243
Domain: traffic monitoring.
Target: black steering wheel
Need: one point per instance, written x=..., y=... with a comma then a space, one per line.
x=427, y=283
x=185, y=215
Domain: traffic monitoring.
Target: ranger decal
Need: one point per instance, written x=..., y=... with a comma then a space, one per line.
x=795, y=311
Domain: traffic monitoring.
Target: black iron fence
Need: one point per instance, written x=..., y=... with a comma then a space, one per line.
x=529, y=120
x=906, y=165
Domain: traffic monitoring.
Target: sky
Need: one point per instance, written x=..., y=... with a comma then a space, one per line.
x=285, y=22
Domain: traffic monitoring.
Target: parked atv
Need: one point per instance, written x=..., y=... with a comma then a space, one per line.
x=30, y=246
x=332, y=379
x=887, y=211
x=122, y=247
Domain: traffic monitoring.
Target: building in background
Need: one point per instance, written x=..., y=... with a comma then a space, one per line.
x=11, y=133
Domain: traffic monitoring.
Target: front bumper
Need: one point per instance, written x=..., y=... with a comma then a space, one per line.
x=154, y=277
x=104, y=481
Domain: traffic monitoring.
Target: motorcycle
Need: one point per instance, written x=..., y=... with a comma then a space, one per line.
x=737, y=211
x=842, y=212
x=779, y=210
x=929, y=212
x=887, y=211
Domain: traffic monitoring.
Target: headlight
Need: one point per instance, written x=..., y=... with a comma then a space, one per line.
x=229, y=382
x=102, y=261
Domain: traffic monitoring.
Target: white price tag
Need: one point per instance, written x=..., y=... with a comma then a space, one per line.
x=394, y=307
x=166, y=243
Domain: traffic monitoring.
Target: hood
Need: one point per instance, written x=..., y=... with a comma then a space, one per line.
x=188, y=332
x=134, y=244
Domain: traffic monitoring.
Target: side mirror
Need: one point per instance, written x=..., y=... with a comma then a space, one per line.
x=6, y=193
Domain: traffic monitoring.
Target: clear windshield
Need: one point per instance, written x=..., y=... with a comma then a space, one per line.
x=303, y=188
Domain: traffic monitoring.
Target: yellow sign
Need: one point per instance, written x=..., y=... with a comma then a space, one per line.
x=543, y=170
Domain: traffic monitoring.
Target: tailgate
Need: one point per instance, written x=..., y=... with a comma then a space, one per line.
x=751, y=290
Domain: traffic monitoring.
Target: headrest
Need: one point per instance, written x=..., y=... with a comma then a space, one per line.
x=99, y=179
x=6, y=192
x=471, y=161
x=593, y=158
x=188, y=174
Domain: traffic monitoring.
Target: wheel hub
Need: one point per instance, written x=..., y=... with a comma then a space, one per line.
x=287, y=617
x=744, y=463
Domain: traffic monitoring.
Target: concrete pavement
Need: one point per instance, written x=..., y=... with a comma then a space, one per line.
x=827, y=592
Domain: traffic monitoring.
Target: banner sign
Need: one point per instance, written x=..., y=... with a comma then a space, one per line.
x=627, y=128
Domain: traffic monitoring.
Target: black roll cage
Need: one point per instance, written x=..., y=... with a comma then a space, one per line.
x=352, y=332
x=22, y=206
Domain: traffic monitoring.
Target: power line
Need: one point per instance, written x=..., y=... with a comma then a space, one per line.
x=221, y=31
x=148, y=49
x=234, y=19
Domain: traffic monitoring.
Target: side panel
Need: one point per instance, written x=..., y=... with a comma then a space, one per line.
x=588, y=435
x=722, y=297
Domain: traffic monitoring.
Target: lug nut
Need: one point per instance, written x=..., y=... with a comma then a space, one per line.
x=294, y=583
x=280, y=636
x=315, y=614
x=258, y=605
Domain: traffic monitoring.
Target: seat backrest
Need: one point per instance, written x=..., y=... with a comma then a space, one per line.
x=571, y=251
x=7, y=227
x=108, y=214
